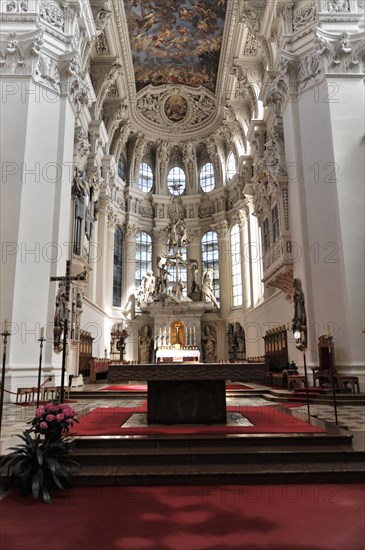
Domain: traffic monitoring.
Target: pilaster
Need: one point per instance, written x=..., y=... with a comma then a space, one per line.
x=222, y=229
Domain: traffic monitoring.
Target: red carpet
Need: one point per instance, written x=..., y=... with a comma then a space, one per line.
x=143, y=387
x=270, y=517
x=126, y=387
x=237, y=387
x=108, y=421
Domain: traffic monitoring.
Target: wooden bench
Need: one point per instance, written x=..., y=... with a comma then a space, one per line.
x=29, y=394
x=47, y=393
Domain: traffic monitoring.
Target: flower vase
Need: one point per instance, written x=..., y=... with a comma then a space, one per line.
x=53, y=433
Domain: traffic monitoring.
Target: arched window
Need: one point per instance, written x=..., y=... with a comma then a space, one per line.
x=210, y=258
x=143, y=256
x=121, y=168
x=117, y=267
x=236, y=266
x=176, y=181
x=275, y=223
x=231, y=166
x=266, y=234
x=207, y=179
x=145, y=182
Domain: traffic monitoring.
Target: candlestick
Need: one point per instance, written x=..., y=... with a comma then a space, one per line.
x=5, y=335
x=41, y=339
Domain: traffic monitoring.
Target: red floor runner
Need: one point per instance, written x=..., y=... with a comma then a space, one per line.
x=270, y=517
x=126, y=387
x=108, y=421
x=143, y=387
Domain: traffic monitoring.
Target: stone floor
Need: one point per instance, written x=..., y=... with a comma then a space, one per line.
x=15, y=417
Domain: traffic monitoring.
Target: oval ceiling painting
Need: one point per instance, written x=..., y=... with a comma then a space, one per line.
x=176, y=108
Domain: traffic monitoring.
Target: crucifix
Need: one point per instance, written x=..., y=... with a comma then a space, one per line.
x=66, y=280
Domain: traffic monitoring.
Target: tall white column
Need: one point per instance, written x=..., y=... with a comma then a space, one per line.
x=43, y=88
x=37, y=155
x=319, y=175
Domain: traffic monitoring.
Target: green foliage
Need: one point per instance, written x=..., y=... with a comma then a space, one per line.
x=37, y=465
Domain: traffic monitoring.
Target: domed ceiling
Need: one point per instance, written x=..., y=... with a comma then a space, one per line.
x=179, y=65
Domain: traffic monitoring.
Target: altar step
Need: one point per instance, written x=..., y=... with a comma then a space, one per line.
x=353, y=399
x=219, y=474
x=98, y=394
x=258, y=458
x=106, y=395
x=326, y=398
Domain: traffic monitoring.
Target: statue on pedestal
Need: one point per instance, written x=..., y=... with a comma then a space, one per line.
x=209, y=344
x=147, y=288
x=145, y=345
x=59, y=317
x=195, y=287
x=207, y=294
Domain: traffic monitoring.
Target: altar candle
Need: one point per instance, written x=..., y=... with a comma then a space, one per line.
x=194, y=343
x=5, y=325
x=41, y=335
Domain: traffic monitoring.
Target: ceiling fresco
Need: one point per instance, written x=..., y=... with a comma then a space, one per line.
x=175, y=42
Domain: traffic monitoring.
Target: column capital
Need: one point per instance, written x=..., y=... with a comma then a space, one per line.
x=222, y=229
x=131, y=231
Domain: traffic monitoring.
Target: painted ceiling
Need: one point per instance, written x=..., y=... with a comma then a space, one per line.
x=176, y=42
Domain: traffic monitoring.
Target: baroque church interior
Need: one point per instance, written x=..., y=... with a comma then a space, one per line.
x=182, y=181
x=244, y=119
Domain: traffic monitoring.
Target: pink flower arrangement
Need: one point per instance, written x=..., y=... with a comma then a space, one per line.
x=49, y=416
